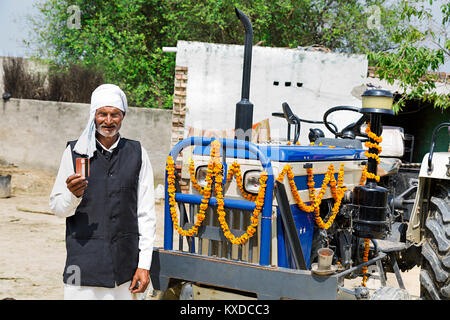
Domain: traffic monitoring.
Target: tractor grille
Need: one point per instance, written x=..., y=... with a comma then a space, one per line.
x=211, y=241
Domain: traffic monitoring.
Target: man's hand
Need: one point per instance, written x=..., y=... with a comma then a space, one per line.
x=76, y=184
x=141, y=276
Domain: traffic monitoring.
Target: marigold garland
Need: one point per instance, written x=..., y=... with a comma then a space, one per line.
x=338, y=194
x=172, y=203
x=203, y=206
x=372, y=145
x=337, y=191
x=365, y=259
x=193, y=179
x=372, y=135
x=206, y=192
x=251, y=229
x=365, y=174
x=215, y=169
x=288, y=170
x=235, y=170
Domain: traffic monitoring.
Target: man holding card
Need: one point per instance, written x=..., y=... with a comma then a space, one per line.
x=104, y=189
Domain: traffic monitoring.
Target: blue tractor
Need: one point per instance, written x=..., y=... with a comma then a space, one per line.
x=257, y=216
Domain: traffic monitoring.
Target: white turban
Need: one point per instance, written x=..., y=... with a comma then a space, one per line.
x=105, y=95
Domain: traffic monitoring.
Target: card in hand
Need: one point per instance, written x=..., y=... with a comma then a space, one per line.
x=82, y=166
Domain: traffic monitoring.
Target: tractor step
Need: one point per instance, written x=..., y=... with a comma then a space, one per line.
x=390, y=246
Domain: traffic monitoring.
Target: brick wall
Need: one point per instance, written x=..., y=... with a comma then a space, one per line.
x=178, y=117
x=179, y=104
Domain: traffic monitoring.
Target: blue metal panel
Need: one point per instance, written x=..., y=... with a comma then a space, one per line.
x=228, y=203
x=304, y=223
x=290, y=153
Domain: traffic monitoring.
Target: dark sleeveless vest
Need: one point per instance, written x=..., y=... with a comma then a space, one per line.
x=102, y=237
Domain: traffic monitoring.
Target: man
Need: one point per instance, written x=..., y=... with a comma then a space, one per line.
x=110, y=216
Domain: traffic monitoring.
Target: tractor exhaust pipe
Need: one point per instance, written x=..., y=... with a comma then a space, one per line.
x=244, y=108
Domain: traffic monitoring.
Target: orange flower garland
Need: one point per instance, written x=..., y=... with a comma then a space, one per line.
x=365, y=174
x=251, y=229
x=372, y=135
x=173, y=211
x=337, y=191
x=365, y=259
x=215, y=169
x=206, y=193
x=193, y=179
x=374, y=145
x=338, y=194
x=235, y=169
x=288, y=170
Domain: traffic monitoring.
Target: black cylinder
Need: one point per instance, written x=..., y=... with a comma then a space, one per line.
x=244, y=108
x=245, y=93
x=370, y=220
x=243, y=120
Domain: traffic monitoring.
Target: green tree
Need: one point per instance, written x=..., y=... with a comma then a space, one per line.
x=124, y=37
x=421, y=46
x=338, y=25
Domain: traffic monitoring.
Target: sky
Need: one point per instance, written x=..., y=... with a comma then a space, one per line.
x=14, y=27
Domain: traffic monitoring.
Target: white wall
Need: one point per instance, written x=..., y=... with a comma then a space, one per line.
x=215, y=79
x=34, y=133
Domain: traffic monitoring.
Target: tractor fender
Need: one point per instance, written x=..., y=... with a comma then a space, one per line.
x=440, y=168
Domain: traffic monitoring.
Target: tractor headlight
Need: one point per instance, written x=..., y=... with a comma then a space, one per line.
x=251, y=181
x=201, y=176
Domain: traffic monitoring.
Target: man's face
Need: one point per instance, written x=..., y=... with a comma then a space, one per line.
x=108, y=121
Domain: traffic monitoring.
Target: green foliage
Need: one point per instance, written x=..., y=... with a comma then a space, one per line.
x=338, y=25
x=121, y=37
x=124, y=37
x=413, y=63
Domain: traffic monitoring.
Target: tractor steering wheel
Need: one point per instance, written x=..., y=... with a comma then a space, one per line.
x=352, y=130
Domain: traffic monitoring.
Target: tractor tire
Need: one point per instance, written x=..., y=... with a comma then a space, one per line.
x=435, y=266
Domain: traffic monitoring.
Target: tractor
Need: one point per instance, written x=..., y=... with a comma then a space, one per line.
x=257, y=217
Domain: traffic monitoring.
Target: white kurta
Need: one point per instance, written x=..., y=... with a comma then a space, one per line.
x=63, y=203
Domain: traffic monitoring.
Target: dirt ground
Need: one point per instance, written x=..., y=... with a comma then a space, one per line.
x=32, y=247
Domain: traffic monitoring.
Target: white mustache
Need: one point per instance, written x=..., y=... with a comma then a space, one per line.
x=112, y=125
x=112, y=134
